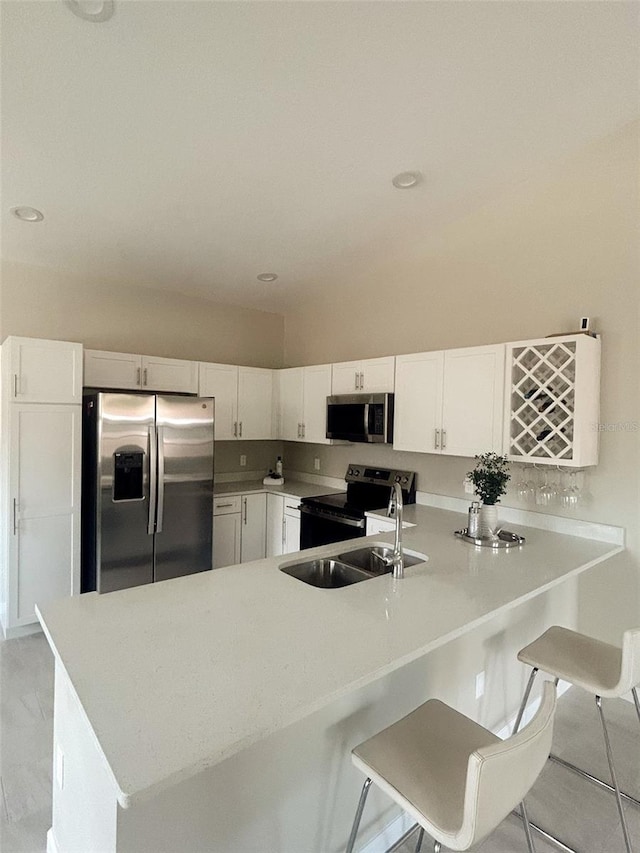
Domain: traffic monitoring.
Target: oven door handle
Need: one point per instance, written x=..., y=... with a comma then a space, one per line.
x=330, y=516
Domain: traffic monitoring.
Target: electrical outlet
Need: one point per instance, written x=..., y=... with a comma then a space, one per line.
x=243, y=460
x=60, y=767
x=316, y=463
x=480, y=685
x=468, y=486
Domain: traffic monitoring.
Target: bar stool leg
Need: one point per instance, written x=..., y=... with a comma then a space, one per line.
x=614, y=778
x=437, y=847
x=634, y=691
x=419, y=842
x=359, y=810
x=527, y=828
x=525, y=699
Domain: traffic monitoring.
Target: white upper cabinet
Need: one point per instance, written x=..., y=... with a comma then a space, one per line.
x=372, y=376
x=290, y=402
x=39, y=371
x=553, y=401
x=128, y=371
x=243, y=400
x=122, y=370
x=302, y=403
x=169, y=374
x=221, y=381
x=255, y=402
x=450, y=402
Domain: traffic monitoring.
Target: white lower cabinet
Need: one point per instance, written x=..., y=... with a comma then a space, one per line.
x=226, y=531
x=253, y=527
x=283, y=525
x=41, y=457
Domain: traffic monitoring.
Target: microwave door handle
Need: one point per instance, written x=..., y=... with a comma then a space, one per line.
x=153, y=479
x=160, y=479
x=366, y=420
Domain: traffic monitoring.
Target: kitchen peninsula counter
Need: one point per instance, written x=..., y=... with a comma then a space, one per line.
x=175, y=677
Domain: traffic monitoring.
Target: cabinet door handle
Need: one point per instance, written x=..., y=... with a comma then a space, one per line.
x=245, y=510
x=221, y=506
x=235, y=429
x=362, y=381
x=240, y=429
x=15, y=384
x=437, y=440
x=304, y=430
x=284, y=530
x=138, y=379
x=145, y=377
x=444, y=438
x=15, y=517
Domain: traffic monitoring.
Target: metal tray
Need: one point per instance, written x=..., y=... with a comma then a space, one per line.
x=505, y=539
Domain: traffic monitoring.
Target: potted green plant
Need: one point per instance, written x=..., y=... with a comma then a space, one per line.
x=489, y=478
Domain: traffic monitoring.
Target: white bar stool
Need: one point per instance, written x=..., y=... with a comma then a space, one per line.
x=458, y=780
x=599, y=668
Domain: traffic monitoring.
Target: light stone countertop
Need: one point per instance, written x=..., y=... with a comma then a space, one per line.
x=174, y=677
x=290, y=488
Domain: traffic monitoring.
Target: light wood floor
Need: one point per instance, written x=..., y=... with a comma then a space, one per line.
x=573, y=808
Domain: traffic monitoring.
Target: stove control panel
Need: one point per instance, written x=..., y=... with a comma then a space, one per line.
x=380, y=476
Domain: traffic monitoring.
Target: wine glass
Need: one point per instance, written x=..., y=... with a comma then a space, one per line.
x=571, y=493
x=525, y=489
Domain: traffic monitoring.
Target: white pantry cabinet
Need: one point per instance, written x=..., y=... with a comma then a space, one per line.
x=450, y=402
x=40, y=459
x=39, y=371
x=128, y=371
x=372, y=376
x=243, y=400
x=302, y=403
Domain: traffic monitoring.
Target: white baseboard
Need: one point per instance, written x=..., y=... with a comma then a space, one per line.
x=21, y=631
x=52, y=847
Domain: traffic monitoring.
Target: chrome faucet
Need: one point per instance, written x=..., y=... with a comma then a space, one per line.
x=396, y=506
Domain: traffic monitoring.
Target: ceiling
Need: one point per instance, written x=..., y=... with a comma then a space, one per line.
x=193, y=145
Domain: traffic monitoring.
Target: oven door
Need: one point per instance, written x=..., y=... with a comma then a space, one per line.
x=322, y=527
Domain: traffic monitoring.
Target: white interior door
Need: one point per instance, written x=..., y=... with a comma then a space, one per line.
x=418, y=402
x=221, y=381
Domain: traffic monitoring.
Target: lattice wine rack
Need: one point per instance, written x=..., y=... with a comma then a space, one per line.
x=554, y=390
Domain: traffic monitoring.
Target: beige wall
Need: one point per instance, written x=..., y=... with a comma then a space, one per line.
x=45, y=303
x=541, y=255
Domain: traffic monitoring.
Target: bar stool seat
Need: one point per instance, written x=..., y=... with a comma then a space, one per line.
x=598, y=668
x=591, y=664
x=455, y=778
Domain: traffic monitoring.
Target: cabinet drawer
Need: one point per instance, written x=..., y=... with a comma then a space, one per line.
x=225, y=505
x=292, y=507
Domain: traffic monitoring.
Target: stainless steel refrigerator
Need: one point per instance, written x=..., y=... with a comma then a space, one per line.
x=147, y=497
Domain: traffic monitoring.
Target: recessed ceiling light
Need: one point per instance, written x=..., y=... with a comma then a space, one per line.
x=406, y=180
x=27, y=214
x=267, y=276
x=91, y=10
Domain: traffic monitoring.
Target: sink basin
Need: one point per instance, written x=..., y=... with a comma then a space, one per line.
x=365, y=559
x=325, y=573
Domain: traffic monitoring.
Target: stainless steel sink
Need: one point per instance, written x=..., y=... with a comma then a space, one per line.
x=366, y=559
x=325, y=573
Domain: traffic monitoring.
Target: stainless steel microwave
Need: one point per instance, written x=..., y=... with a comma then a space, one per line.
x=360, y=417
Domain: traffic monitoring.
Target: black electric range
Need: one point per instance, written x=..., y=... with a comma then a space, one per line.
x=333, y=518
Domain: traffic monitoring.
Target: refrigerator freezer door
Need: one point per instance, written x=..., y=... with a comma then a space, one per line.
x=124, y=541
x=184, y=515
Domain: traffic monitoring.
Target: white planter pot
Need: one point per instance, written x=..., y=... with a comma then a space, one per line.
x=488, y=521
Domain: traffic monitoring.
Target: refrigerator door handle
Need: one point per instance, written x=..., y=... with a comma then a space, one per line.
x=153, y=452
x=160, y=513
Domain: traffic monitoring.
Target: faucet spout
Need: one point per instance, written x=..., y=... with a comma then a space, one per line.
x=395, y=509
